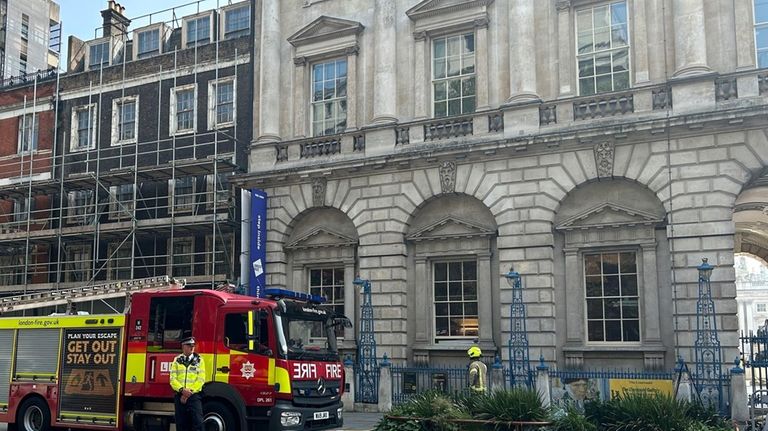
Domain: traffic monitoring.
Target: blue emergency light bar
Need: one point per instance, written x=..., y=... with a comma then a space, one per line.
x=276, y=293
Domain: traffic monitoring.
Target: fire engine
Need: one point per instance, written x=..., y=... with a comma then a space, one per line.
x=272, y=362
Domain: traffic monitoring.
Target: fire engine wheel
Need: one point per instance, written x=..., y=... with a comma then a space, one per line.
x=218, y=417
x=34, y=416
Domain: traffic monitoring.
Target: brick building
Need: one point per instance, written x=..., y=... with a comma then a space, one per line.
x=152, y=122
x=27, y=124
x=601, y=148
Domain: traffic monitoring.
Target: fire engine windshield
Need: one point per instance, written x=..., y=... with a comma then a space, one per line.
x=307, y=332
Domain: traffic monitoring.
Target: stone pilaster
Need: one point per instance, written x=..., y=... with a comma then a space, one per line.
x=690, y=38
x=269, y=116
x=745, y=39
x=300, y=99
x=640, y=43
x=522, y=61
x=385, y=79
x=481, y=62
x=420, y=89
x=565, y=47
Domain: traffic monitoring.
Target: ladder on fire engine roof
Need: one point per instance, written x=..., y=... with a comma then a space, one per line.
x=89, y=293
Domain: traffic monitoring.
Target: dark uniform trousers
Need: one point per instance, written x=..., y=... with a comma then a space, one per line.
x=189, y=416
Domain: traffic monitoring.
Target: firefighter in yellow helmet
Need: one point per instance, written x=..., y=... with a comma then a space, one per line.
x=187, y=379
x=477, y=371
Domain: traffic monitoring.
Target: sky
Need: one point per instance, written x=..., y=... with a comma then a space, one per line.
x=81, y=17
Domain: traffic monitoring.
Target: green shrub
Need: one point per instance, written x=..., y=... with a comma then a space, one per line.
x=572, y=420
x=435, y=409
x=510, y=405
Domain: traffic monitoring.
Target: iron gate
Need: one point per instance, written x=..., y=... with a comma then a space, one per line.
x=754, y=357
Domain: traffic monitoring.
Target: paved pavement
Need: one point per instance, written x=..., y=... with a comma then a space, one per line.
x=352, y=422
x=360, y=421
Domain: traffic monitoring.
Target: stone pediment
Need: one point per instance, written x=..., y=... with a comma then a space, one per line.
x=324, y=28
x=450, y=227
x=609, y=215
x=429, y=8
x=321, y=237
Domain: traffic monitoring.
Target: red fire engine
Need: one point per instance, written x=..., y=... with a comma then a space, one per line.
x=272, y=363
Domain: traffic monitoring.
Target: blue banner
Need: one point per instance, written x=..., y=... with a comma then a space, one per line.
x=258, y=243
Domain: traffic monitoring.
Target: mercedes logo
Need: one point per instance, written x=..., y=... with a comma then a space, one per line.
x=321, y=386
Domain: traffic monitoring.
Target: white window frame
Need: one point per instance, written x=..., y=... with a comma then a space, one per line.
x=763, y=306
x=628, y=47
x=191, y=256
x=173, y=129
x=332, y=303
x=173, y=208
x=448, y=302
x=211, y=194
x=638, y=297
x=79, y=215
x=83, y=249
x=89, y=65
x=447, y=79
x=210, y=16
x=23, y=209
x=116, y=119
x=227, y=239
x=116, y=212
x=24, y=121
x=162, y=33
x=213, y=86
x=756, y=26
x=75, y=131
x=336, y=100
x=113, y=266
x=223, y=35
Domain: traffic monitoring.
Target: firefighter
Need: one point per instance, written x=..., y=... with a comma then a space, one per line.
x=187, y=379
x=477, y=371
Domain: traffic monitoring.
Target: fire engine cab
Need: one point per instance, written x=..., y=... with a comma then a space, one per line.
x=271, y=363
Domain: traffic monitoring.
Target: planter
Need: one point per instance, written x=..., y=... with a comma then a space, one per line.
x=479, y=424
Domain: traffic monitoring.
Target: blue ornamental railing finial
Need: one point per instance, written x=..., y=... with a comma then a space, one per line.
x=518, y=346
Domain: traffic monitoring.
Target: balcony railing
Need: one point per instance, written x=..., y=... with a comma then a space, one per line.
x=516, y=126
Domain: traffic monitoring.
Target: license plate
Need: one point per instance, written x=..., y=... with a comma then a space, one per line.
x=321, y=415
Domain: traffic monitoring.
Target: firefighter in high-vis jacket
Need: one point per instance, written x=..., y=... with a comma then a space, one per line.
x=477, y=371
x=187, y=379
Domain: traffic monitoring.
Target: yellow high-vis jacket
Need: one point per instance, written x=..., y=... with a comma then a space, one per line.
x=188, y=374
x=477, y=375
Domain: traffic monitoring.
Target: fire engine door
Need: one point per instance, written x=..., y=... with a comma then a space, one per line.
x=243, y=354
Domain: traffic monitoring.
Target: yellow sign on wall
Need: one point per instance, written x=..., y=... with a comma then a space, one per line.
x=623, y=387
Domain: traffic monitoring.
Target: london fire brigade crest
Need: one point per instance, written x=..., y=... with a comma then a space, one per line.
x=248, y=370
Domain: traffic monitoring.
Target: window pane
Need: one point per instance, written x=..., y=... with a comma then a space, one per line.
x=441, y=291
x=600, y=15
x=612, y=308
x=441, y=309
x=613, y=330
x=454, y=271
x=454, y=66
x=469, y=43
x=592, y=264
x=631, y=330
x=586, y=67
x=454, y=46
x=629, y=285
x=439, y=68
x=586, y=86
x=603, y=64
x=611, y=285
x=441, y=271
x=440, y=90
x=455, y=291
x=595, y=330
x=628, y=263
x=470, y=270
x=594, y=286
x=470, y=308
x=594, y=309
x=620, y=61
x=629, y=308
x=439, y=48
x=454, y=88
x=585, y=42
x=610, y=263
x=454, y=107
x=456, y=309
x=621, y=81
x=618, y=13
x=584, y=20
x=468, y=87
x=468, y=105
x=761, y=11
x=441, y=109
x=619, y=36
x=468, y=64
x=470, y=291
x=441, y=326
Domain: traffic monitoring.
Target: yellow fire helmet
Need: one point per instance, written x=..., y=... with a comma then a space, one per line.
x=474, y=352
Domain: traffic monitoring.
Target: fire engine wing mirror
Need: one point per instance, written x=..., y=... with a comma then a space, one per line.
x=342, y=321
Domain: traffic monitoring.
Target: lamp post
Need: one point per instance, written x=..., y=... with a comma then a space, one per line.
x=519, y=348
x=707, y=346
x=367, y=367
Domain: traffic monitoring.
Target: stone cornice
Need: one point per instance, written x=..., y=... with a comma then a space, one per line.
x=429, y=8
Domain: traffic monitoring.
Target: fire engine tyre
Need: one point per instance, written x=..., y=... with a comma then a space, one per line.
x=217, y=416
x=34, y=416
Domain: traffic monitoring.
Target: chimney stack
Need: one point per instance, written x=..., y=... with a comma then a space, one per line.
x=115, y=22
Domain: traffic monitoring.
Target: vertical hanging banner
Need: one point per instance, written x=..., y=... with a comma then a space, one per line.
x=258, y=242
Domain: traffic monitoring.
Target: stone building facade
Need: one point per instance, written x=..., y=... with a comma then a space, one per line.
x=600, y=148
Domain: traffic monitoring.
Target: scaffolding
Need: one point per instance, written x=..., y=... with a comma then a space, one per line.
x=88, y=210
